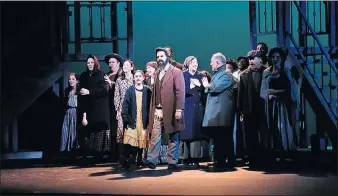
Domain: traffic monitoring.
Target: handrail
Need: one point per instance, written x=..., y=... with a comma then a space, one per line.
x=316, y=38
x=333, y=114
x=302, y=57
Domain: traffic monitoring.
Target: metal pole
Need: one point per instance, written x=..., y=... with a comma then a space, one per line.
x=113, y=26
x=253, y=24
x=77, y=29
x=130, y=47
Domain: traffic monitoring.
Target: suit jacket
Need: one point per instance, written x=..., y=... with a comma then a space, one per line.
x=173, y=97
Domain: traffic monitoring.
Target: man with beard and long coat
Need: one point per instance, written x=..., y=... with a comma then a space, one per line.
x=166, y=110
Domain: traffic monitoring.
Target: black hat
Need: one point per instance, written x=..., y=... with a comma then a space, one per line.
x=161, y=49
x=115, y=56
x=242, y=57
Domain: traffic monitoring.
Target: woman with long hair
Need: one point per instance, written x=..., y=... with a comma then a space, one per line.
x=95, y=107
x=191, y=149
x=275, y=90
x=122, y=84
x=69, y=127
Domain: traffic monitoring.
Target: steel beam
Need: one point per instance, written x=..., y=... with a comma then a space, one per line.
x=280, y=23
x=253, y=23
x=64, y=28
x=287, y=22
x=114, y=26
x=301, y=24
x=130, y=33
x=77, y=27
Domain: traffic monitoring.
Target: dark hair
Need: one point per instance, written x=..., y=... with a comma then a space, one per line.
x=123, y=75
x=140, y=71
x=264, y=45
x=96, y=63
x=206, y=74
x=232, y=63
x=170, y=49
x=69, y=88
x=281, y=53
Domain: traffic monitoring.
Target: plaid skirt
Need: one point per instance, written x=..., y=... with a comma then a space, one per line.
x=100, y=141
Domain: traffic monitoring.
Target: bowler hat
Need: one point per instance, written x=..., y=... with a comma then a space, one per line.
x=242, y=57
x=115, y=56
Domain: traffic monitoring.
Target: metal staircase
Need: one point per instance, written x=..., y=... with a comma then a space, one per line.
x=308, y=30
x=30, y=60
x=40, y=41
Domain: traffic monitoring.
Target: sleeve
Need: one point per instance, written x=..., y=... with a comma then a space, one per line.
x=125, y=106
x=264, y=86
x=82, y=100
x=221, y=84
x=240, y=94
x=117, y=95
x=179, y=89
x=65, y=99
x=102, y=89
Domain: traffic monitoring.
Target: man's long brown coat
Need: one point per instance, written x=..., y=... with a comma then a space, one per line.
x=173, y=97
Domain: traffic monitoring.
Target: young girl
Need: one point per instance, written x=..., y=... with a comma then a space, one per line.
x=135, y=115
x=69, y=126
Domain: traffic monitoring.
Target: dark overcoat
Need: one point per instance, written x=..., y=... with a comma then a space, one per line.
x=194, y=108
x=96, y=104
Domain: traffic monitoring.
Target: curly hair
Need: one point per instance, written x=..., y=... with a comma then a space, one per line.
x=232, y=62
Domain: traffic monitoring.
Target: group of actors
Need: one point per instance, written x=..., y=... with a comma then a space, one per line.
x=245, y=108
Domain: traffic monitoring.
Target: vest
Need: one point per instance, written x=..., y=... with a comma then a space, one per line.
x=157, y=86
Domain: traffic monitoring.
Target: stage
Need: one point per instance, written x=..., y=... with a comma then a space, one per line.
x=106, y=179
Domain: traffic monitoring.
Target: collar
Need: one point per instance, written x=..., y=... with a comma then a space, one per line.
x=220, y=69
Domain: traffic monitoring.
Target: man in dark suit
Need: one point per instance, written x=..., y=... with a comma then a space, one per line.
x=251, y=105
x=166, y=110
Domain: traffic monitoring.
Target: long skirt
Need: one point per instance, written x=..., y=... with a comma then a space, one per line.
x=281, y=131
x=100, y=141
x=68, y=137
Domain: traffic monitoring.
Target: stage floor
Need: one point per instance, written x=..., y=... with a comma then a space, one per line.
x=105, y=179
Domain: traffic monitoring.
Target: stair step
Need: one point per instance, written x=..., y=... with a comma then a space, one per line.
x=22, y=155
x=313, y=51
x=314, y=61
x=317, y=33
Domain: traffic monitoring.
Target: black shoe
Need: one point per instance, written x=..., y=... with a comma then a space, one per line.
x=195, y=164
x=150, y=165
x=218, y=165
x=186, y=163
x=173, y=167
